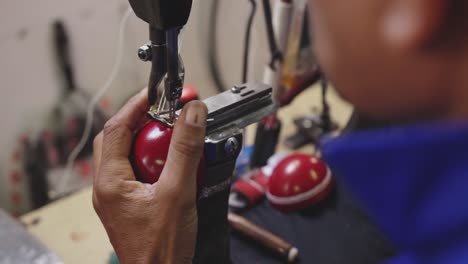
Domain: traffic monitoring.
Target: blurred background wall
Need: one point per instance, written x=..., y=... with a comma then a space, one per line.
x=30, y=80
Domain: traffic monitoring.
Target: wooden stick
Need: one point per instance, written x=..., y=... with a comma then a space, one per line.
x=267, y=239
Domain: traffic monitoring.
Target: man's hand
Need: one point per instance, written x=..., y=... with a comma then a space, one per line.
x=149, y=223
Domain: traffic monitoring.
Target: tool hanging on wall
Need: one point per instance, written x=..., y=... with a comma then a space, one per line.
x=277, y=25
x=70, y=112
x=46, y=151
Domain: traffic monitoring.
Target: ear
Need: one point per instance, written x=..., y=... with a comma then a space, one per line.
x=413, y=24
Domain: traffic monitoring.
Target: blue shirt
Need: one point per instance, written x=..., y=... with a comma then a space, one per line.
x=414, y=183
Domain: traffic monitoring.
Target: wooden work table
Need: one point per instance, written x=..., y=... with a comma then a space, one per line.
x=71, y=229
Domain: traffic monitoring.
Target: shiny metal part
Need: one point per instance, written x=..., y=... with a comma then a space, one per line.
x=232, y=146
x=162, y=112
x=172, y=110
x=230, y=112
x=174, y=83
x=238, y=89
x=161, y=116
x=165, y=109
x=145, y=53
x=167, y=72
x=165, y=20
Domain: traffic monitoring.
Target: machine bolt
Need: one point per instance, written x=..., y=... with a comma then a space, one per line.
x=144, y=53
x=237, y=89
x=232, y=146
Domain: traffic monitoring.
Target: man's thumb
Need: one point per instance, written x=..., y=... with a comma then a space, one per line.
x=187, y=145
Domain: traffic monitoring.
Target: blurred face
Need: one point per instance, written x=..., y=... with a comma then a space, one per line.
x=380, y=80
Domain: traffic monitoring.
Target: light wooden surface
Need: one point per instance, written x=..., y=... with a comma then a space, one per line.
x=72, y=230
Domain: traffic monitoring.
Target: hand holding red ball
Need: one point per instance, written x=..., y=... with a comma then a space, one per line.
x=150, y=150
x=149, y=223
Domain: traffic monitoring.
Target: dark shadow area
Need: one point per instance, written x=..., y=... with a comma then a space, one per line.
x=335, y=231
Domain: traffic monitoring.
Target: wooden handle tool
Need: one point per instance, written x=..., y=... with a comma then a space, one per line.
x=267, y=239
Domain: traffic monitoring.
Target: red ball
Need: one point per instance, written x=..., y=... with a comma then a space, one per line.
x=299, y=181
x=150, y=150
x=189, y=93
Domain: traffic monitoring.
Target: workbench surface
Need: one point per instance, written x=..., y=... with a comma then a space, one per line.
x=72, y=230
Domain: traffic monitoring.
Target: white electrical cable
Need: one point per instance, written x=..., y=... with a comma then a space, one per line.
x=65, y=180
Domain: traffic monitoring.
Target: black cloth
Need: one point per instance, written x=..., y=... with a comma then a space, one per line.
x=336, y=232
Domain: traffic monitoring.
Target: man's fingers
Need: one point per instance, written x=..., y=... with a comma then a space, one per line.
x=186, y=146
x=97, y=153
x=117, y=140
x=118, y=131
